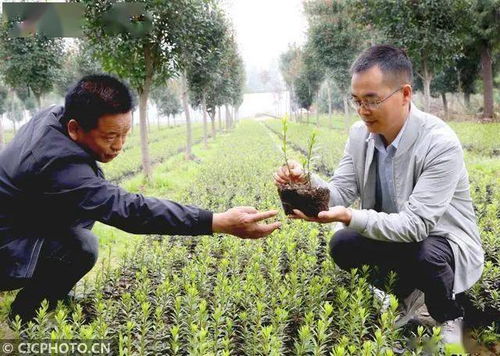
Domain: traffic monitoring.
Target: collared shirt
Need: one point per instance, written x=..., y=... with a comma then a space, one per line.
x=385, y=198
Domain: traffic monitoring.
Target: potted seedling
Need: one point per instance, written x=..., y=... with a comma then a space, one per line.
x=302, y=196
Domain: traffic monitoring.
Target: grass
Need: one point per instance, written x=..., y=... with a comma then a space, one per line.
x=279, y=295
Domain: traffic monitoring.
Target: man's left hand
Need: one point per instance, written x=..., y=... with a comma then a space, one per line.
x=334, y=214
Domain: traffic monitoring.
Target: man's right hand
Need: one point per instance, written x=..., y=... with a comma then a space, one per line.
x=243, y=221
x=295, y=174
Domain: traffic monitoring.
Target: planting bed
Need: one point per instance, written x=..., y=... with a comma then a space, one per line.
x=282, y=295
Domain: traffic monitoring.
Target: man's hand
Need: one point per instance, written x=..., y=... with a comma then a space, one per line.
x=295, y=174
x=336, y=213
x=243, y=221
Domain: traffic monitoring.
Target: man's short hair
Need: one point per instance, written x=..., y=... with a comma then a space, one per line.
x=95, y=96
x=392, y=61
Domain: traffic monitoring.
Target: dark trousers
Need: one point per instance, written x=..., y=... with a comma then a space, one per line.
x=61, y=264
x=427, y=265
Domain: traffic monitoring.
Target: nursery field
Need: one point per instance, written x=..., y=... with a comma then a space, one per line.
x=282, y=295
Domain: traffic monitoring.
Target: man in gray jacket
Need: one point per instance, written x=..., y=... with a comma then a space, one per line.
x=416, y=216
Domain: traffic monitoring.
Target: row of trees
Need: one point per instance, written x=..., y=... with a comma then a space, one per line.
x=452, y=44
x=187, y=55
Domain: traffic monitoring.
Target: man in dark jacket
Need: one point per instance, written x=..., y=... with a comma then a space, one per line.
x=52, y=191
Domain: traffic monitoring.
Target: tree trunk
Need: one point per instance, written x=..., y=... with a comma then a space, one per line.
x=38, y=99
x=146, y=162
x=143, y=112
x=205, y=124
x=467, y=100
x=427, y=78
x=212, y=120
x=329, y=94
x=158, y=119
x=148, y=121
x=220, y=118
x=233, y=120
x=487, y=75
x=317, y=109
x=236, y=113
x=346, y=115
x=228, y=118
x=185, y=104
x=168, y=120
x=2, y=139
x=231, y=116
x=14, y=123
x=445, y=105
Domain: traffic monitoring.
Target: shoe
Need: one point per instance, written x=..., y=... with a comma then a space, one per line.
x=451, y=333
x=408, y=308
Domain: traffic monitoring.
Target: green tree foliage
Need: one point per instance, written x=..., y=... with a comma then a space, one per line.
x=430, y=31
x=3, y=108
x=228, y=87
x=468, y=72
x=32, y=61
x=205, y=73
x=3, y=98
x=171, y=45
x=195, y=43
x=78, y=62
x=27, y=98
x=446, y=81
x=167, y=100
x=330, y=98
x=15, y=109
x=483, y=35
x=308, y=81
x=237, y=76
x=334, y=38
x=140, y=59
x=290, y=63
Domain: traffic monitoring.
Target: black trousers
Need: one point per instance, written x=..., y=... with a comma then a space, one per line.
x=427, y=265
x=61, y=264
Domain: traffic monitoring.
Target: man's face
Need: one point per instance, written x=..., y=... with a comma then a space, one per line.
x=107, y=139
x=369, y=86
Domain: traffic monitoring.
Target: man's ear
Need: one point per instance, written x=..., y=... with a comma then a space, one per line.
x=407, y=93
x=74, y=129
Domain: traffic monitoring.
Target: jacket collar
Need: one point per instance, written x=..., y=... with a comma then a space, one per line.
x=411, y=130
x=408, y=134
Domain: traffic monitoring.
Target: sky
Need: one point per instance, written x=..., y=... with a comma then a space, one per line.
x=264, y=28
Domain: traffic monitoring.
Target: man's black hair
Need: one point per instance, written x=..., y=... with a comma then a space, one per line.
x=392, y=61
x=95, y=96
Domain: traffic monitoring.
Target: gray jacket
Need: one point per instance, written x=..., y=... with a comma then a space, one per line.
x=431, y=186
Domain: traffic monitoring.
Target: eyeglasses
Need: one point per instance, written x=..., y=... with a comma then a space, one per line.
x=370, y=105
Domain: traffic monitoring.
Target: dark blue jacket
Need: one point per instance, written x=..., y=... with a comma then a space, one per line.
x=48, y=184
